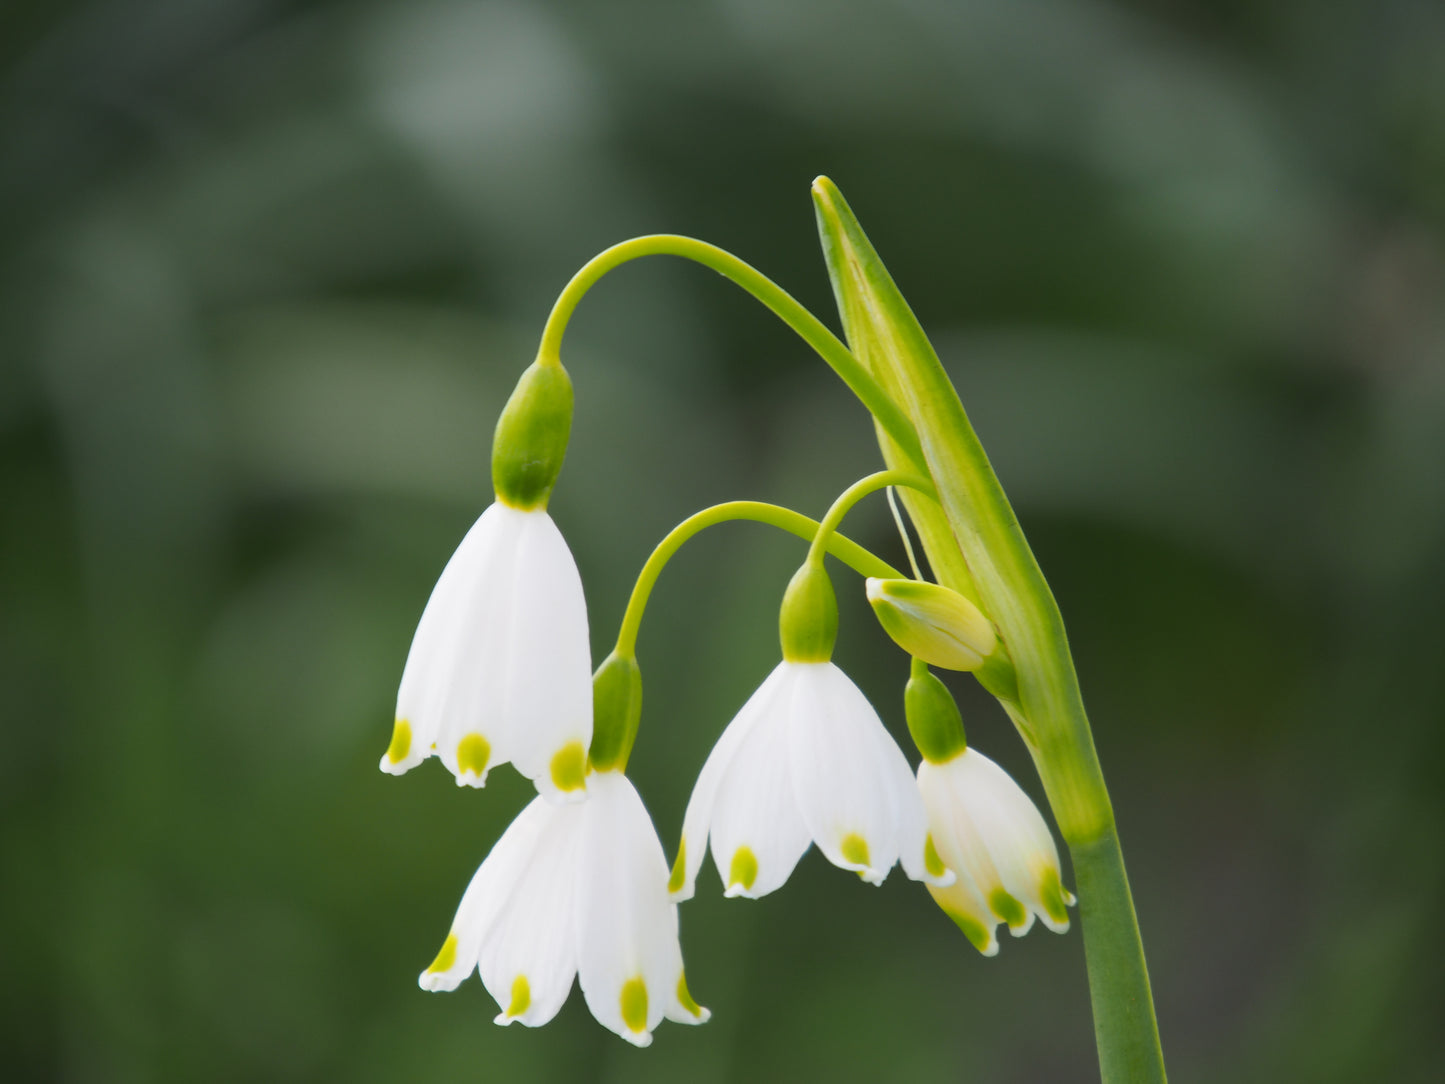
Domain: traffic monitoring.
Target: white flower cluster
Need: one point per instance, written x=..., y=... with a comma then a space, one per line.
x=500, y=672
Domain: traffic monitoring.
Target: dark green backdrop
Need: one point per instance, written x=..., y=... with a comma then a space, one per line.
x=267, y=271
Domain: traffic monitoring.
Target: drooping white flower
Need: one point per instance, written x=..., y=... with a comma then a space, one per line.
x=806, y=760
x=988, y=830
x=500, y=668
x=577, y=889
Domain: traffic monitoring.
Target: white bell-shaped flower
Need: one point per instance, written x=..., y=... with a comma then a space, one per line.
x=577, y=889
x=500, y=668
x=988, y=830
x=806, y=760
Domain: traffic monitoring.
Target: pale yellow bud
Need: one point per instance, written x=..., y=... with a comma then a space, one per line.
x=932, y=623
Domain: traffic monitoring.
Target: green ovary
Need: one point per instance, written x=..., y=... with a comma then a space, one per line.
x=634, y=1004
x=400, y=742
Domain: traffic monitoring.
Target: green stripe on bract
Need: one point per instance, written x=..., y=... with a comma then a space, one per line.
x=1052, y=893
x=473, y=753
x=446, y=957
x=569, y=766
x=400, y=742
x=634, y=1004
x=685, y=998
x=679, y=868
x=854, y=849
x=931, y=862
x=521, y=996
x=1007, y=908
x=744, y=870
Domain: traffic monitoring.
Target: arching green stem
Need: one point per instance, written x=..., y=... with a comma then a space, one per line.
x=812, y=331
x=850, y=553
x=855, y=493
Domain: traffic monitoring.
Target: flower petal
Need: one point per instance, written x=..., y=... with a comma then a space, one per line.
x=848, y=797
x=757, y=833
x=486, y=897
x=681, y=1007
x=946, y=795
x=917, y=853
x=629, y=960
x=548, y=700
x=1017, y=838
x=697, y=820
x=529, y=954
x=961, y=902
x=434, y=665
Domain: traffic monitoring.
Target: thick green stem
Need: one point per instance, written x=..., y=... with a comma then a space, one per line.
x=808, y=327
x=849, y=552
x=983, y=550
x=1124, y=1026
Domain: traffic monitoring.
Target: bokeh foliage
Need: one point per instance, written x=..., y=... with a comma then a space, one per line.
x=268, y=272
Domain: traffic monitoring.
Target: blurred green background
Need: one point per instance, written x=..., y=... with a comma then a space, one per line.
x=269, y=270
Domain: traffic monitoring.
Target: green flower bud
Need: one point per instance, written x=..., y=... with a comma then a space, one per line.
x=933, y=717
x=616, y=709
x=808, y=622
x=531, y=438
x=932, y=623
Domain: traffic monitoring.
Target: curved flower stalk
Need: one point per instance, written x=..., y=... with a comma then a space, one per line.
x=500, y=668
x=574, y=890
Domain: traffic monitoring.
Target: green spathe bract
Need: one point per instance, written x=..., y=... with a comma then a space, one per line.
x=808, y=621
x=980, y=551
x=531, y=439
x=933, y=717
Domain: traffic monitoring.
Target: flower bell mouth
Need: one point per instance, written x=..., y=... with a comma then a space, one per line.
x=500, y=667
x=574, y=890
x=806, y=760
x=989, y=831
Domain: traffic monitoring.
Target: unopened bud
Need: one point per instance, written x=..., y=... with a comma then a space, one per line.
x=932, y=623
